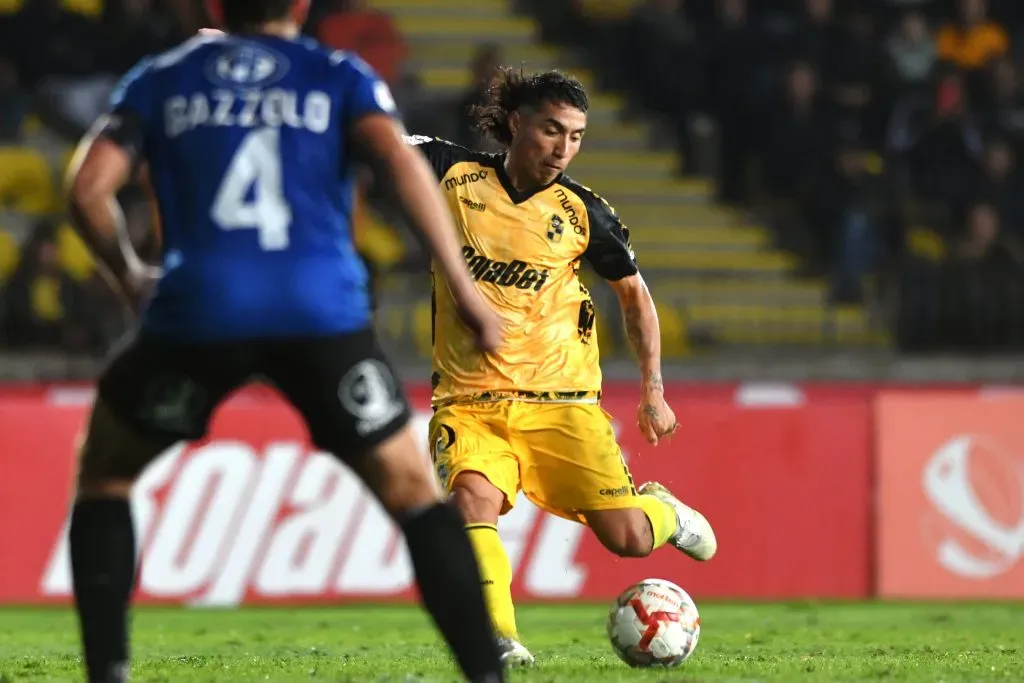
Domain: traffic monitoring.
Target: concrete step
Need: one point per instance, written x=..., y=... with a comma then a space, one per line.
x=668, y=237
x=448, y=29
x=657, y=189
x=441, y=6
x=761, y=264
x=647, y=212
x=712, y=291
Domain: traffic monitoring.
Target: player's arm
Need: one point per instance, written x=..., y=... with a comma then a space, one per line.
x=100, y=168
x=612, y=257
x=640, y=316
x=405, y=171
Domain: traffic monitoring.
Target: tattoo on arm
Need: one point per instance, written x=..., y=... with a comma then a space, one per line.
x=633, y=330
x=654, y=381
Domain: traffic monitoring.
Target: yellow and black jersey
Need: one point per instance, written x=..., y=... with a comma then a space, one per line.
x=524, y=249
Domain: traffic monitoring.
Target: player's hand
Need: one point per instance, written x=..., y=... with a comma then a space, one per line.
x=480, y=318
x=654, y=416
x=137, y=284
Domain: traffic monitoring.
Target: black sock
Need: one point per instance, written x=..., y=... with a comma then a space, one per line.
x=103, y=570
x=449, y=581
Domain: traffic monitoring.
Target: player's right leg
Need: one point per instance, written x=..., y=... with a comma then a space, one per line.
x=346, y=391
x=151, y=396
x=480, y=471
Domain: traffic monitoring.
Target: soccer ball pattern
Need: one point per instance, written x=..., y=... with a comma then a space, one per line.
x=654, y=623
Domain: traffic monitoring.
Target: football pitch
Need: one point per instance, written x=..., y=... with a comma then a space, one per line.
x=739, y=642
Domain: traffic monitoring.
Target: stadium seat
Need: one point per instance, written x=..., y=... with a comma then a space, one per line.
x=8, y=254
x=26, y=181
x=674, y=340
x=10, y=6
x=90, y=8
x=423, y=328
x=73, y=255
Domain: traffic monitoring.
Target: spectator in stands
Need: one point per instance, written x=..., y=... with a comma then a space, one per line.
x=13, y=100
x=352, y=25
x=730, y=49
x=818, y=33
x=856, y=69
x=912, y=53
x=41, y=301
x=602, y=22
x=984, y=244
x=945, y=156
x=60, y=56
x=1004, y=112
x=853, y=237
x=973, y=42
x=664, y=45
x=999, y=184
x=483, y=66
x=796, y=140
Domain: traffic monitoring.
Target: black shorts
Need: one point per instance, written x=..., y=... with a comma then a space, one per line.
x=342, y=385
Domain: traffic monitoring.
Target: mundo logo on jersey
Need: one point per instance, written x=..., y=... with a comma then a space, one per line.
x=250, y=66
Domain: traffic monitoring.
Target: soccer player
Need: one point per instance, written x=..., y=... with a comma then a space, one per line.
x=527, y=416
x=249, y=140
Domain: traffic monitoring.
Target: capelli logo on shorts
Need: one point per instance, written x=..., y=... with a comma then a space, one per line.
x=615, y=493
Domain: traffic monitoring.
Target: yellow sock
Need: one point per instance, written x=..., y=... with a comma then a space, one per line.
x=496, y=572
x=662, y=517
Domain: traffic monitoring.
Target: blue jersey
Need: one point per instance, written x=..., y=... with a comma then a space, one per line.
x=248, y=145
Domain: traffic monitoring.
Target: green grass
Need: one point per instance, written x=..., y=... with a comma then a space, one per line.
x=777, y=642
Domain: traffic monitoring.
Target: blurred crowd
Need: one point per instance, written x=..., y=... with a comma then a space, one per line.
x=868, y=133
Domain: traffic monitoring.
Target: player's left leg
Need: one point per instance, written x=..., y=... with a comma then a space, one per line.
x=575, y=468
x=150, y=397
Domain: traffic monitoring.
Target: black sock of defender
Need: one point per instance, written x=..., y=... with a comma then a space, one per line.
x=449, y=581
x=103, y=570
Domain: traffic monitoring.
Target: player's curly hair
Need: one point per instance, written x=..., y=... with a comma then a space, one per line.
x=509, y=91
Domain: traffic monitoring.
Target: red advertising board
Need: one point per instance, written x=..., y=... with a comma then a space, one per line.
x=252, y=514
x=950, y=495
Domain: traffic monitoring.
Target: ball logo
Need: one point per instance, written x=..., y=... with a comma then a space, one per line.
x=977, y=486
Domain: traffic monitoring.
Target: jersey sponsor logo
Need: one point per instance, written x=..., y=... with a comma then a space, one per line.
x=226, y=523
x=518, y=274
x=368, y=393
x=249, y=65
x=616, y=493
x=465, y=179
x=274, y=108
x=570, y=212
x=470, y=204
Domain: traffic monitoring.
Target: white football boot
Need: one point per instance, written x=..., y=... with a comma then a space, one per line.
x=513, y=654
x=694, y=535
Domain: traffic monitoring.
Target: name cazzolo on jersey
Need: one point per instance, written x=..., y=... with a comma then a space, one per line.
x=246, y=94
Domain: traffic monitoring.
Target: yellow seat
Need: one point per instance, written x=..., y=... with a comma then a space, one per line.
x=10, y=6
x=90, y=8
x=674, y=340
x=26, y=181
x=74, y=257
x=9, y=250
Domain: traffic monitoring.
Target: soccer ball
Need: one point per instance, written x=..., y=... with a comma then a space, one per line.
x=654, y=623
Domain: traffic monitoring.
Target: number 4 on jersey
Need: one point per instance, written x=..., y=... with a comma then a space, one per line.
x=256, y=166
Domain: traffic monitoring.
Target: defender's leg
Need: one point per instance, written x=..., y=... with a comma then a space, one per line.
x=347, y=393
x=151, y=396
